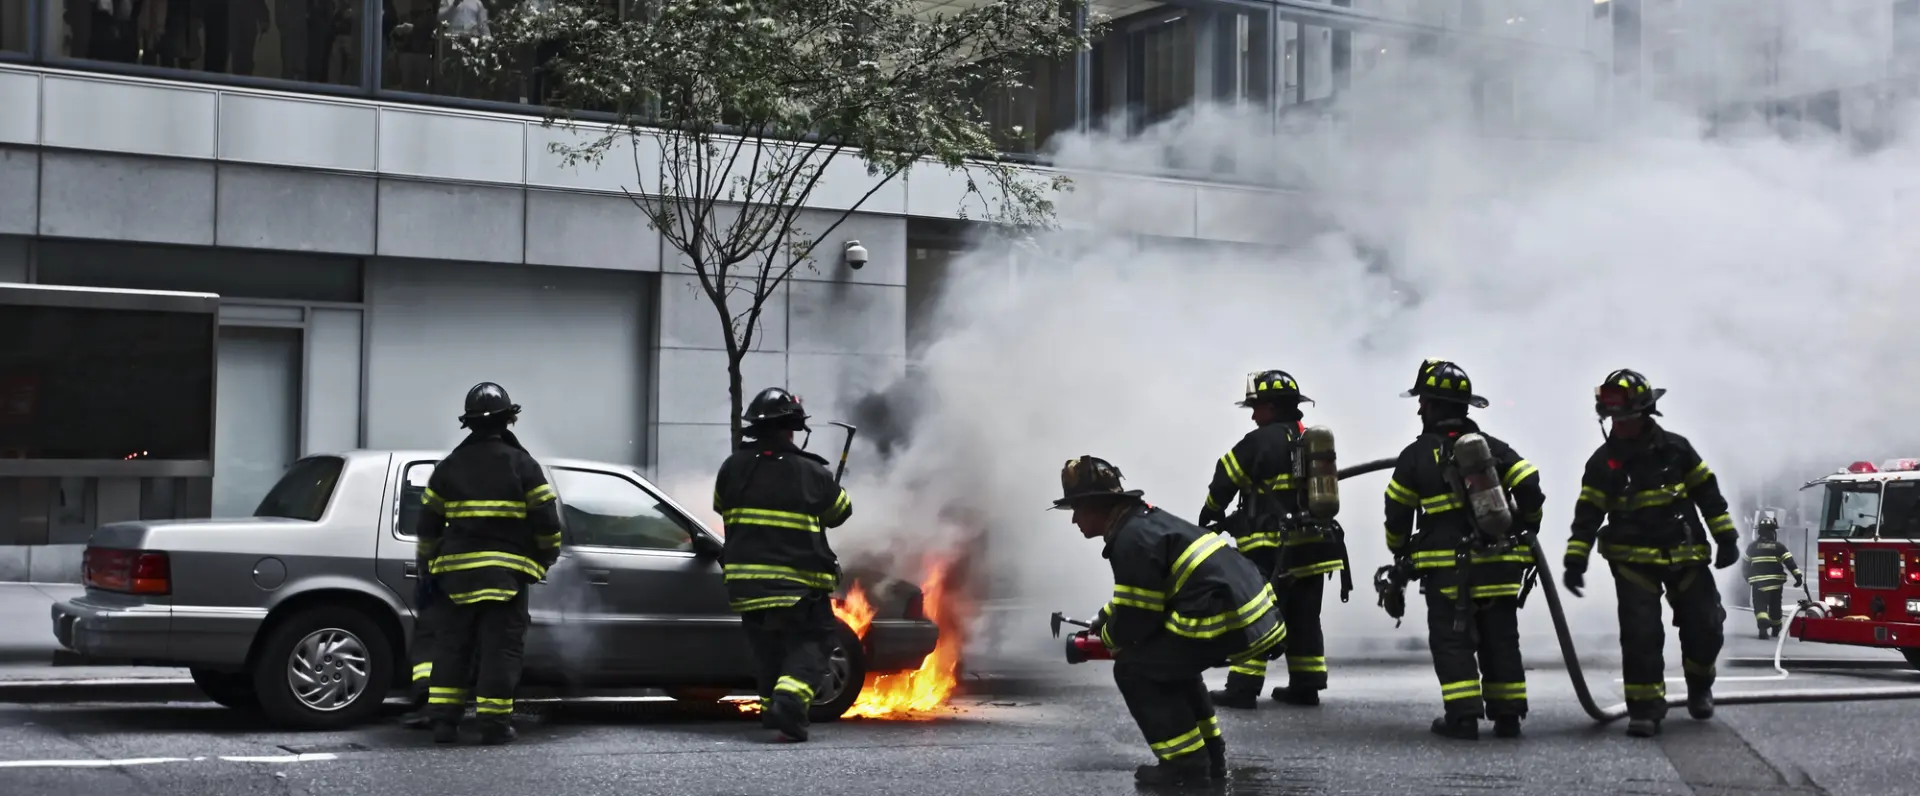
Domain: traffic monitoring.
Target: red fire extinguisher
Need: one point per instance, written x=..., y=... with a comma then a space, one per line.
x=1084, y=645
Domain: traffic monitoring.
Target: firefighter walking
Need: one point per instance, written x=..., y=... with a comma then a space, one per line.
x=1182, y=603
x=776, y=501
x=1471, y=568
x=489, y=528
x=1271, y=529
x=1768, y=564
x=1650, y=489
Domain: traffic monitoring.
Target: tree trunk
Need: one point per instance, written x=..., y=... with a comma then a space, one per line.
x=733, y=391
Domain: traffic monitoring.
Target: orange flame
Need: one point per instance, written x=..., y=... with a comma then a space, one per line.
x=909, y=695
x=855, y=610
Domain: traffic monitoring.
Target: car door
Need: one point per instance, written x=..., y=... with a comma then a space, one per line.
x=657, y=609
x=546, y=600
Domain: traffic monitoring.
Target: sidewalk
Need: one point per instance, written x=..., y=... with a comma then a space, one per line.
x=35, y=668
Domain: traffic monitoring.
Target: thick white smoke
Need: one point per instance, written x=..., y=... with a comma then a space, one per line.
x=1760, y=280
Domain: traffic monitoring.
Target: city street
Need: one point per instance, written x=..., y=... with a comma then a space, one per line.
x=1067, y=737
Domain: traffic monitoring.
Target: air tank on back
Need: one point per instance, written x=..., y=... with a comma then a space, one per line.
x=1323, y=474
x=1480, y=479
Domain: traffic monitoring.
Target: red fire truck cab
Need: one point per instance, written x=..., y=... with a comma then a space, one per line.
x=1868, y=570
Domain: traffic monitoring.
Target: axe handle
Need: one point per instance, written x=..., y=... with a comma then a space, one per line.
x=844, y=450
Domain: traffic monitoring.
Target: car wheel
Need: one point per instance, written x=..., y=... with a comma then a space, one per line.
x=227, y=689
x=846, y=676
x=323, y=668
x=697, y=695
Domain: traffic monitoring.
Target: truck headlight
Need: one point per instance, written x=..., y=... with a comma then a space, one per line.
x=1838, y=601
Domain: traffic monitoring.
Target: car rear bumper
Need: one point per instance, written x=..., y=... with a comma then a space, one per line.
x=895, y=645
x=1857, y=631
x=210, y=636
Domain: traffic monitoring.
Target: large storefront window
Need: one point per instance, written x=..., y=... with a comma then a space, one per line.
x=1024, y=119
x=13, y=25
x=314, y=41
x=420, y=56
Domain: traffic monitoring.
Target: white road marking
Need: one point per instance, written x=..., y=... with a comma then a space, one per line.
x=147, y=761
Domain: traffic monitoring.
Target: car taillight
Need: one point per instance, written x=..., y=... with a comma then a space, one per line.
x=128, y=571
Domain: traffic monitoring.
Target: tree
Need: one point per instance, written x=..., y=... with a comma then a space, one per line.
x=748, y=102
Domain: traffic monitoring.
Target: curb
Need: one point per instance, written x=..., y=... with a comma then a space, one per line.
x=1820, y=663
x=103, y=689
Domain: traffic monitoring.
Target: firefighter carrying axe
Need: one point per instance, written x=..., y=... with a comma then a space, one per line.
x=844, y=450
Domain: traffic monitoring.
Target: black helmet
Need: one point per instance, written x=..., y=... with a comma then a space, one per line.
x=775, y=408
x=1275, y=386
x=1445, y=381
x=1767, y=527
x=486, y=400
x=1089, y=476
x=1625, y=393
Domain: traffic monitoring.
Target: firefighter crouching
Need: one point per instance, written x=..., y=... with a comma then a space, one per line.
x=1272, y=529
x=1470, y=565
x=1768, y=563
x=489, y=528
x=1650, y=489
x=776, y=501
x=1182, y=603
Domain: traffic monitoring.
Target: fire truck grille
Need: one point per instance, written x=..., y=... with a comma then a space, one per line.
x=1876, y=569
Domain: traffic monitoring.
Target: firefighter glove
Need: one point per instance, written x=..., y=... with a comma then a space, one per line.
x=1726, y=556
x=1209, y=517
x=1798, y=581
x=1575, y=576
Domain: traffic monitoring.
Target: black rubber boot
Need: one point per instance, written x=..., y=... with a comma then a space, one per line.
x=1217, y=758
x=1235, y=699
x=1460, y=728
x=1184, y=770
x=1506, y=726
x=416, y=720
x=1303, y=697
x=1643, y=728
x=445, y=731
x=1700, y=702
x=497, y=734
x=789, y=717
x=1776, y=631
x=1764, y=634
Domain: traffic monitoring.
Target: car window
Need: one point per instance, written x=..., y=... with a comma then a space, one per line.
x=607, y=510
x=303, y=493
x=413, y=484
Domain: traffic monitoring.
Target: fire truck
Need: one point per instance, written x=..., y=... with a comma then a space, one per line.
x=1868, y=569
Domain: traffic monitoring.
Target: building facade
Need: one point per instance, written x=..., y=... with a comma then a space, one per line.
x=385, y=231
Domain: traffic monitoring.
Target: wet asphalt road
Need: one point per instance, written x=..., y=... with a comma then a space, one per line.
x=1072, y=737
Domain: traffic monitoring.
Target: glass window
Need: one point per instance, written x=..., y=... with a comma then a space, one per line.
x=105, y=384
x=1160, y=70
x=304, y=491
x=412, y=487
x=258, y=415
x=315, y=41
x=1900, y=510
x=606, y=510
x=290, y=276
x=417, y=55
x=13, y=25
x=1852, y=510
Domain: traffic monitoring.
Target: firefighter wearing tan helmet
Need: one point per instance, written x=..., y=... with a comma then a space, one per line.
x=1649, y=489
x=1183, y=602
x=1274, y=527
x=1479, y=507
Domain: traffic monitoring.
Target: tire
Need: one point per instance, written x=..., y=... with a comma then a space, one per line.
x=227, y=689
x=698, y=695
x=1913, y=656
x=846, y=677
x=347, y=646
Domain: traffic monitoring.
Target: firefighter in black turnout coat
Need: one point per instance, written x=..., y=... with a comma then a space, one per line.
x=1182, y=603
x=1267, y=528
x=489, y=528
x=777, y=502
x=1471, y=577
x=1650, y=490
x=1768, y=564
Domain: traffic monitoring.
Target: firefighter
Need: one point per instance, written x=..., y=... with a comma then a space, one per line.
x=777, y=500
x=1260, y=470
x=1471, y=577
x=1768, y=564
x=1182, y=603
x=489, y=529
x=1650, y=490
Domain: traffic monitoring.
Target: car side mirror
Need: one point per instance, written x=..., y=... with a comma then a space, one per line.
x=706, y=546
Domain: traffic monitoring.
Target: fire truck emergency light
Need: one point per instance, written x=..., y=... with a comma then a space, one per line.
x=1861, y=467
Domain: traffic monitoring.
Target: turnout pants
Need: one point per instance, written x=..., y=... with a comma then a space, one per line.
x=1306, y=644
x=1172, y=711
x=1766, y=605
x=1696, y=611
x=429, y=635
x=482, y=645
x=1481, y=673
x=790, y=651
